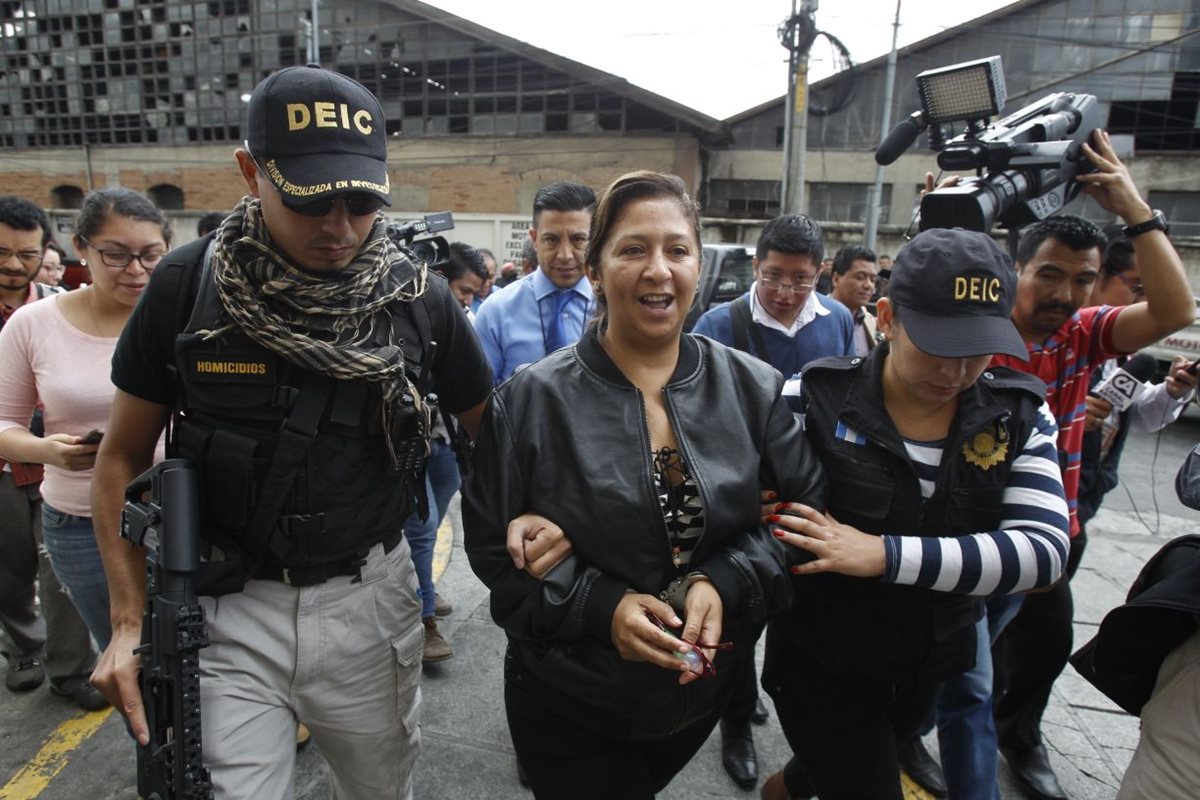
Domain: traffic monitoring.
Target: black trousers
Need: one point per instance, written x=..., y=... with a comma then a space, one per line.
x=1030, y=655
x=843, y=728
x=571, y=749
x=745, y=697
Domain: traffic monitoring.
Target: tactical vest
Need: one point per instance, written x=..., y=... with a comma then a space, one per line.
x=890, y=632
x=236, y=400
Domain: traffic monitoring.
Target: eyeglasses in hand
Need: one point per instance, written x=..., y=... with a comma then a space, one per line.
x=120, y=259
x=698, y=663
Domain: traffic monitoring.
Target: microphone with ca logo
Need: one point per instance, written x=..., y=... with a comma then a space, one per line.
x=1126, y=383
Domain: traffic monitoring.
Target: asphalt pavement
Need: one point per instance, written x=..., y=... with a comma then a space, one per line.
x=49, y=750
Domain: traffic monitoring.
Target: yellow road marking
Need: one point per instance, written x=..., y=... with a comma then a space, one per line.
x=50, y=760
x=911, y=790
x=441, y=550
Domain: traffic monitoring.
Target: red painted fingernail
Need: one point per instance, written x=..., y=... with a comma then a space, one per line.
x=772, y=495
x=795, y=570
x=773, y=518
x=781, y=507
x=778, y=533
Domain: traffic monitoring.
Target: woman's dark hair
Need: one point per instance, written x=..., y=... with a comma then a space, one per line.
x=625, y=190
x=121, y=202
x=462, y=259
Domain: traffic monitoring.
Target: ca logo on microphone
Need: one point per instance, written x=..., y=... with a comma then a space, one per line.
x=1126, y=384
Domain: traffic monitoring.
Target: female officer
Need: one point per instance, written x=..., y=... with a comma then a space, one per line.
x=944, y=488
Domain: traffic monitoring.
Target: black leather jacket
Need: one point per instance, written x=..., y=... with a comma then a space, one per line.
x=567, y=438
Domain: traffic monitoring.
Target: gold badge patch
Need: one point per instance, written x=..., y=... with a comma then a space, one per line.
x=988, y=448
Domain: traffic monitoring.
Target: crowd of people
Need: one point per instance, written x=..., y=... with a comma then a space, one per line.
x=897, y=492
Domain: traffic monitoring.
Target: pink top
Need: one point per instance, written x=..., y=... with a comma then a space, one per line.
x=44, y=359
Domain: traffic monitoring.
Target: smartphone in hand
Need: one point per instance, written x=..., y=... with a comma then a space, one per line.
x=1193, y=367
x=92, y=437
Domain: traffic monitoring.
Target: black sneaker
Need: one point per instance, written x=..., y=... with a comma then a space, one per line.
x=25, y=673
x=80, y=690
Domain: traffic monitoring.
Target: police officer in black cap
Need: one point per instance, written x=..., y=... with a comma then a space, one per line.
x=944, y=487
x=296, y=352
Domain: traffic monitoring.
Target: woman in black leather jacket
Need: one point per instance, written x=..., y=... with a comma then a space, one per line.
x=648, y=448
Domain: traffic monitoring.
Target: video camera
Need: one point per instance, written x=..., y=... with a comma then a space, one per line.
x=1025, y=164
x=434, y=250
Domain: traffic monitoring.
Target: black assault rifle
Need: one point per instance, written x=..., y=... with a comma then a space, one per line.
x=171, y=766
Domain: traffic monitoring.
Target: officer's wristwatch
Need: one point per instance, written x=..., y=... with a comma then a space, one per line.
x=1158, y=222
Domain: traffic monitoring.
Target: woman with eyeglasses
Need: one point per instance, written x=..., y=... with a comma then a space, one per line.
x=57, y=353
x=645, y=447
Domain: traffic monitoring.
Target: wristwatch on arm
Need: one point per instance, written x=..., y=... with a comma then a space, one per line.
x=1157, y=222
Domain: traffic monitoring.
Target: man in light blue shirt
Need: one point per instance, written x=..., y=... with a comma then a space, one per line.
x=550, y=307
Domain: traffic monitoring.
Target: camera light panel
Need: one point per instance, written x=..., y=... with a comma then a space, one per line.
x=969, y=91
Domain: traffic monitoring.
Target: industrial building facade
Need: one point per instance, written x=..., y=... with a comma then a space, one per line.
x=152, y=94
x=1140, y=58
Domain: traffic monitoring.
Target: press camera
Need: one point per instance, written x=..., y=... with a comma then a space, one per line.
x=432, y=250
x=1025, y=163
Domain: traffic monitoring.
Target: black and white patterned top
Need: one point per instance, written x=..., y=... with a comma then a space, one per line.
x=682, y=506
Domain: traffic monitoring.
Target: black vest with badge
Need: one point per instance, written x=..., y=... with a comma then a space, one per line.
x=240, y=406
x=886, y=631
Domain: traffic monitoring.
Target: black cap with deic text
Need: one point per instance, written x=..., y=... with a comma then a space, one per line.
x=956, y=289
x=315, y=133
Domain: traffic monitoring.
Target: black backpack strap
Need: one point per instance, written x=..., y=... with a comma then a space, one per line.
x=740, y=321
x=744, y=328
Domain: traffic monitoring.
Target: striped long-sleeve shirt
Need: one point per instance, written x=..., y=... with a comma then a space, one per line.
x=1028, y=550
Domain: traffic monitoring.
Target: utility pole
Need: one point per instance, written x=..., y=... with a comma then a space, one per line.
x=314, y=36
x=875, y=195
x=797, y=34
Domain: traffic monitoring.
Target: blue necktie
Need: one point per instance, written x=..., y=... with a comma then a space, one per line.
x=556, y=330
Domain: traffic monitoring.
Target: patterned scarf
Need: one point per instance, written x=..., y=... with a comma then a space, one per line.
x=337, y=325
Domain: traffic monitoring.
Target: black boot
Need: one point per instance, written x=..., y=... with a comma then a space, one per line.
x=1031, y=768
x=923, y=768
x=738, y=755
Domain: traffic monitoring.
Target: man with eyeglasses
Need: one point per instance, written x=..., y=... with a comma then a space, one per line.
x=781, y=320
x=296, y=352
x=784, y=322
x=56, y=641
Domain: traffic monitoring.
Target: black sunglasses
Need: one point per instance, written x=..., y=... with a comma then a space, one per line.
x=359, y=204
